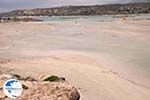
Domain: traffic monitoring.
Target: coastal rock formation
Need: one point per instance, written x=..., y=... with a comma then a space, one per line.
x=17, y=19
x=41, y=90
x=49, y=91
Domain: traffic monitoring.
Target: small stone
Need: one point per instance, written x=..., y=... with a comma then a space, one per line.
x=29, y=79
x=1, y=85
x=2, y=95
x=4, y=77
x=25, y=87
x=16, y=76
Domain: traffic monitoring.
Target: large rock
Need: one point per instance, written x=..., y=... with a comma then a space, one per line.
x=39, y=90
x=49, y=91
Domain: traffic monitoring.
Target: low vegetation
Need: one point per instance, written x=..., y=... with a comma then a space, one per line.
x=52, y=78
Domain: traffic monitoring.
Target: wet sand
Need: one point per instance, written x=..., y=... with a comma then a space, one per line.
x=104, y=60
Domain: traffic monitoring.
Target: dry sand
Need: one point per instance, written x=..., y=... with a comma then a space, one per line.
x=38, y=49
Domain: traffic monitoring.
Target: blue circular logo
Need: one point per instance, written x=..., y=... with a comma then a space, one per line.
x=12, y=88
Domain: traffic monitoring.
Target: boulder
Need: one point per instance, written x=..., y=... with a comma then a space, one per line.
x=41, y=90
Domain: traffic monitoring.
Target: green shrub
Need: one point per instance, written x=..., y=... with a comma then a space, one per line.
x=52, y=78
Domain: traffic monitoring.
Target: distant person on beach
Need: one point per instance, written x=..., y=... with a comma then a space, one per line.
x=76, y=22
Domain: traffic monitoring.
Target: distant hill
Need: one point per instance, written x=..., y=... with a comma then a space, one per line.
x=132, y=1
x=133, y=8
x=140, y=1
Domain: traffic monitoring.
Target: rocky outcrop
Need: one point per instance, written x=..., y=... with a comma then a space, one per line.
x=49, y=91
x=41, y=90
x=135, y=8
x=17, y=19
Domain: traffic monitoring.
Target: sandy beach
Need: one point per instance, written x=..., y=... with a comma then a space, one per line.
x=104, y=60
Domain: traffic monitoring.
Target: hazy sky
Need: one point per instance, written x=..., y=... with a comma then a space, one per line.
x=6, y=5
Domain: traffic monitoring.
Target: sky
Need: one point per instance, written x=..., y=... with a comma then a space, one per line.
x=8, y=5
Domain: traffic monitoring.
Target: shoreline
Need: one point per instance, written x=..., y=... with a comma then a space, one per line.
x=24, y=19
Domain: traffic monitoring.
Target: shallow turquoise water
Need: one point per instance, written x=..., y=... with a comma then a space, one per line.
x=93, y=18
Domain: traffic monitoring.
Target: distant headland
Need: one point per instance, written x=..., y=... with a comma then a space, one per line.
x=133, y=8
